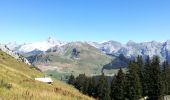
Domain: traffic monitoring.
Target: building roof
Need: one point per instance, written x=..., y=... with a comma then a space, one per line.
x=45, y=79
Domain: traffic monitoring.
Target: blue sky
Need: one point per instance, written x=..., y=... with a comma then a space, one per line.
x=90, y=20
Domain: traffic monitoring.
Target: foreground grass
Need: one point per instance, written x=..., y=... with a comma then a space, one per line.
x=18, y=83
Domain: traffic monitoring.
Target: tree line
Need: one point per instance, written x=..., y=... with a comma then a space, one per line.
x=144, y=78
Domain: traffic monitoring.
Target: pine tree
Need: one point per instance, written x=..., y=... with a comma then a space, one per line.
x=103, y=90
x=140, y=69
x=80, y=82
x=92, y=88
x=134, y=84
x=165, y=77
x=165, y=66
x=140, y=64
x=168, y=79
x=155, y=88
x=146, y=76
x=71, y=80
x=118, y=86
x=86, y=85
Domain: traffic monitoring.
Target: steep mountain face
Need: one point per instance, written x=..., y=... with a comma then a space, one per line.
x=119, y=62
x=132, y=49
x=17, y=56
x=107, y=47
x=166, y=50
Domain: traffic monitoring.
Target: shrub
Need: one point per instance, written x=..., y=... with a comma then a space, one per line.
x=4, y=84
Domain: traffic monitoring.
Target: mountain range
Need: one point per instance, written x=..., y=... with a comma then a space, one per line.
x=133, y=49
x=130, y=49
x=77, y=57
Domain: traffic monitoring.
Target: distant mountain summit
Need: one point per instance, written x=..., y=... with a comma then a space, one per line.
x=107, y=47
x=39, y=46
x=55, y=42
x=12, y=45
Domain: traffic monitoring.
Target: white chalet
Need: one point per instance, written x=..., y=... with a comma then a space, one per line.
x=45, y=80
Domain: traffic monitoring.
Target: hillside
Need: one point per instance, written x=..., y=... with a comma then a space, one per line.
x=17, y=83
x=119, y=62
x=75, y=58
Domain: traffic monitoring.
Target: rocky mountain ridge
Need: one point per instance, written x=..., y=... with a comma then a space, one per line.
x=15, y=55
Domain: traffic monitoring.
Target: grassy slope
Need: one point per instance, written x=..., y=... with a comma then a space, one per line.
x=25, y=88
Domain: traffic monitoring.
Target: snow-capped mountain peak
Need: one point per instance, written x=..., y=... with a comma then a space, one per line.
x=41, y=46
x=107, y=47
x=51, y=40
x=12, y=45
x=130, y=43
